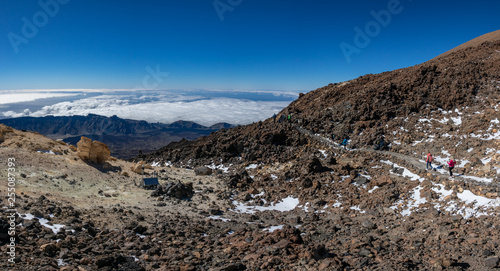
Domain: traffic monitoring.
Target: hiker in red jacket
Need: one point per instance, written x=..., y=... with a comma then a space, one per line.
x=451, y=165
x=429, y=160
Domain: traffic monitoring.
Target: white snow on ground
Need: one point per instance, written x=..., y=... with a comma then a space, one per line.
x=44, y=222
x=356, y=208
x=324, y=153
x=457, y=120
x=274, y=177
x=366, y=176
x=406, y=172
x=337, y=204
x=60, y=262
x=252, y=166
x=486, y=160
x=415, y=143
x=219, y=218
x=305, y=207
x=221, y=167
x=413, y=203
x=441, y=190
x=49, y=152
x=471, y=149
x=445, y=152
x=155, y=164
x=373, y=189
x=285, y=205
x=478, y=179
x=273, y=228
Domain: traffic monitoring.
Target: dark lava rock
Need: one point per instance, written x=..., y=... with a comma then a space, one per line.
x=175, y=190
x=203, y=171
x=491, y=262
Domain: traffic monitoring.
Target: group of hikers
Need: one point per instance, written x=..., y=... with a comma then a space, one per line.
x=379, y=144
x=451, y=163
x=282, y=118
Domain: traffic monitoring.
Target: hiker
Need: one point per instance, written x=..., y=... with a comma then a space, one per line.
x=274, y=118
x=429, y=160
x=379, y=144
x=333, y=137
x=451, y=165
x=344, y=142
x=289, y=117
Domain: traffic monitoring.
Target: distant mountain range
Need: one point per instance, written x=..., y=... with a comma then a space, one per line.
x=125, y=137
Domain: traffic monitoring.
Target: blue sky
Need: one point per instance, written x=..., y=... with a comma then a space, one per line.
x=259, y=45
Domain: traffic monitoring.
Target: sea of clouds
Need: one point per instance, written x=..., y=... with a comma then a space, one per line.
x=203, y=107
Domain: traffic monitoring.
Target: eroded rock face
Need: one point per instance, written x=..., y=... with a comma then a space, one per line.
x=4, y=130
x=93, y=151
x=140, y=167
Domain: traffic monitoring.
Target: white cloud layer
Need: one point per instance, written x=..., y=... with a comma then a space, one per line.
x=165, y=109
x=10, y=98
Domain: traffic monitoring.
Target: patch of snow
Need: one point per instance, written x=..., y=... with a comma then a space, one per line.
x=356, y=208
x=60, y=262
x=486, y=160
x=285, y=205
x=414, y=202
x=155, y=164
x=324, y=153
x=406, y=172
x=415, y=143
x=219, y=218
x=441, y=190
x=168, y=164
x=479, y=179
x=344, y=177
x=44, y=222
x=373, y=189
x=457, y=120
x=224, y=169
x=252, y=166
x=274, y=177
x=471, y=149
x=366, y=176
x=48, y=152
x=444, y=120
x=273, y=228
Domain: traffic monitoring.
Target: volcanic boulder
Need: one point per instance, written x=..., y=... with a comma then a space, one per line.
x=175, y=190
x=93, y=151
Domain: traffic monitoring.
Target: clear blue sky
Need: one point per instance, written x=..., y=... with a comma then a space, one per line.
x=259, y=45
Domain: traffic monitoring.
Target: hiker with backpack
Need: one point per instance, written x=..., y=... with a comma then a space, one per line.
x=429, y=160
x=451, y=165
x=344, y=143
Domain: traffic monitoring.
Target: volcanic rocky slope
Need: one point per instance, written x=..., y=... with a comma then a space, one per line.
x=365, y=109
x=284, y=195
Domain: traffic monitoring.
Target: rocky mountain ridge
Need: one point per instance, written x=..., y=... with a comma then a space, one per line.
x=284, y=194
x=125, y=137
